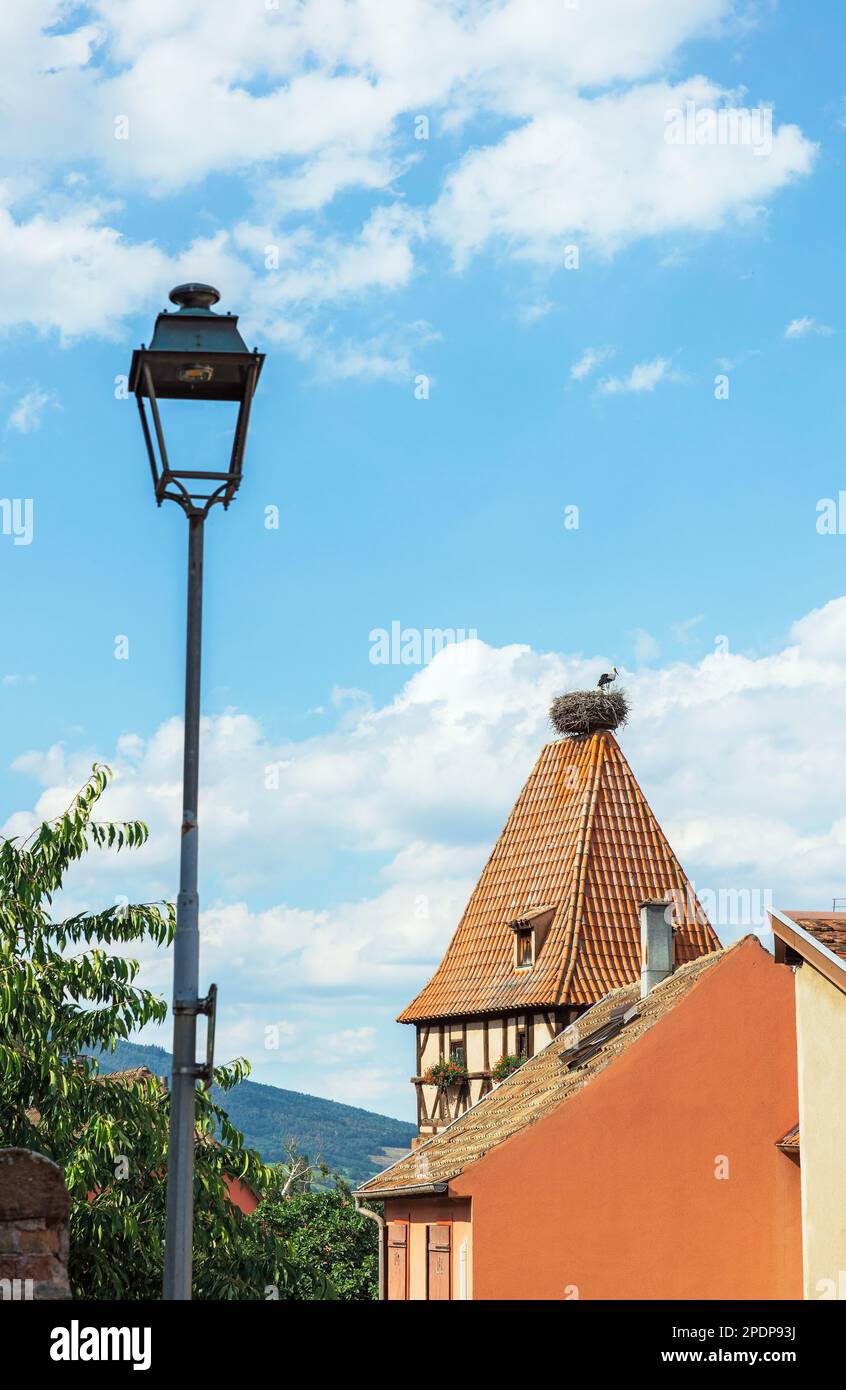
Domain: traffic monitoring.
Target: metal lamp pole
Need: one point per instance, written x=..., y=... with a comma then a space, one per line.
x=186, y=955
x=195, y=354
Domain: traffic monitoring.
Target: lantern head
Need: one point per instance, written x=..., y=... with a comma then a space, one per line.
x=195, y=354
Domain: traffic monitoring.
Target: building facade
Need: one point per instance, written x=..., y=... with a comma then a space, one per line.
x=814, y=944
x=635, y=1157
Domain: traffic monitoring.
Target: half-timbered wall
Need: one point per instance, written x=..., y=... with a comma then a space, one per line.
x=484, y=1041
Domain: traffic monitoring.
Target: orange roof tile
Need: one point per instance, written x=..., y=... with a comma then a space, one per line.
x=548, y=1079
x=581, y=838
x=828, y=928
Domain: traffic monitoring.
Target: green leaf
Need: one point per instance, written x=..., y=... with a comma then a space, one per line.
x=67, y=988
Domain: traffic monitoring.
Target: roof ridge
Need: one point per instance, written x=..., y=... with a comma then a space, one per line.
x=571, y=953
x=623, y=816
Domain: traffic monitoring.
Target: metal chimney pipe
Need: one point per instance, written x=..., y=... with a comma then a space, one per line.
x=656, y=943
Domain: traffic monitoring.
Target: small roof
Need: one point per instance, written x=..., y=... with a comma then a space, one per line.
x=564, y=1067
x=827, y=928
x=789, y=1143
x=583, y=840
x=818, y=937
x=130, y=1075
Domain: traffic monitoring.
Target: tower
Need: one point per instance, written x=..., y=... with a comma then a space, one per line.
x=553, y=922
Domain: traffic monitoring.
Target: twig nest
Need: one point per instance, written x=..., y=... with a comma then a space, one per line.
x=585, y=711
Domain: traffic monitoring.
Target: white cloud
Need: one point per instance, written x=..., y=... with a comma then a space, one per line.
x=313, y=272
x=278, y=1037
x=532, y=313
x=684, y=631
x=77, y=275
x=323, y=178
x=322, y=83
x=370, y=1086
x=348, y=1042
x=800, y=328
x=599, y=171
x=426, y=781
x=644, y=376
x=646, y=647
x=729, y=364
x=738, y=754
x=312, y=100
x=590, y=359
x=75, y=48
x=26, y=416
x=369, y=948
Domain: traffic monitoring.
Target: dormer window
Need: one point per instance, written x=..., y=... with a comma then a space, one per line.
x=525, y=948
x=530, y=931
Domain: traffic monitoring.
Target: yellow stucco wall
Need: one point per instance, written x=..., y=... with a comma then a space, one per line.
x=821, y=1036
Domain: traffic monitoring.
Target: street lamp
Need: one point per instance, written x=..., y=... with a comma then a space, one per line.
x=196, y=354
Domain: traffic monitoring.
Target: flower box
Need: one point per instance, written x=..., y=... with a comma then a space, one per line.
x=508, y=1063
x=446, y=1073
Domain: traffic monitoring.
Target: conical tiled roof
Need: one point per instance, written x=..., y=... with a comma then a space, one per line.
x=582, y=840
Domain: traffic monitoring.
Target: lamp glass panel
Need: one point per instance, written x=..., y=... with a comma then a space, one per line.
x=198, y=434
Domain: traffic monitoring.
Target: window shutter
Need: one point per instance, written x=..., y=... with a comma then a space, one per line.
x=397, y=1260
x=439, y=1242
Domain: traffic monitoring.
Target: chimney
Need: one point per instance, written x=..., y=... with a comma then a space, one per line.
x=656, y=943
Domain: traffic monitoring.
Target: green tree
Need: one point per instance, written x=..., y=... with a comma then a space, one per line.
x=328, y=1237
x=66, y=989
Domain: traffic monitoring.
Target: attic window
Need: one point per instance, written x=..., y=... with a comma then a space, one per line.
x=530, y=930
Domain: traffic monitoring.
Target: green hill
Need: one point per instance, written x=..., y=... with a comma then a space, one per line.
x=354, y=1142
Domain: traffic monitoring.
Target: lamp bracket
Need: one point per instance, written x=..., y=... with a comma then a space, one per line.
x=202, y=1071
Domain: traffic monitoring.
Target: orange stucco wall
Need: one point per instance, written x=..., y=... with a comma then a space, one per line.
x=614, y=1195
x=419, y=1212
x=240, y=1195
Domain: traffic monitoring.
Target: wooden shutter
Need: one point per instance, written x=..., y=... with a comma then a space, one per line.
x=439, y=1241
x=397, y=1260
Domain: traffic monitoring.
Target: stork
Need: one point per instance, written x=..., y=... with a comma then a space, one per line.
x=606, y=678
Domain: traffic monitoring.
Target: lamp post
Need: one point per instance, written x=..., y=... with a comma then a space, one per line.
x=195, y=354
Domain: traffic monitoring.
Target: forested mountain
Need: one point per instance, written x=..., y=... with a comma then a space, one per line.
x=354, y=1142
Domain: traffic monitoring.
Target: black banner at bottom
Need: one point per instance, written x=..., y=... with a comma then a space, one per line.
x=60, y=1339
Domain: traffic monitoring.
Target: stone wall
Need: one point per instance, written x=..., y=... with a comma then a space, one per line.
x=34, y=1207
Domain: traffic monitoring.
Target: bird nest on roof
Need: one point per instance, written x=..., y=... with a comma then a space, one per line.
x=585, y=711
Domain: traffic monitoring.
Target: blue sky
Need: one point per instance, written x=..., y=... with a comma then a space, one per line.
x=286, y=134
